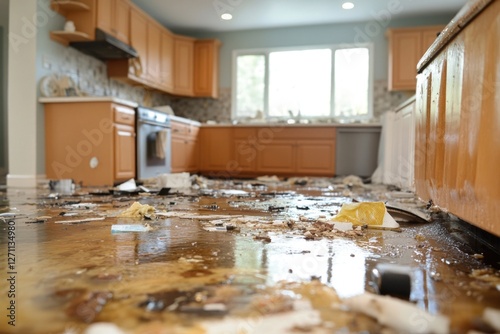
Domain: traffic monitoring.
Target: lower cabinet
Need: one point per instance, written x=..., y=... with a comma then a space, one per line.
x=250, y=151
x=217, y=158
x=277, y=157
x=92, y=143
x=457, y=121
x=185, y=151
x=124, y=152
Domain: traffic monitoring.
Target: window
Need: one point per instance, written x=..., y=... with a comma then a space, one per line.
x=313, y=83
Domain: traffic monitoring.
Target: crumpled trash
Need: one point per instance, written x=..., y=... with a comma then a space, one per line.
x=353, y=180
x=174, y=180
x=365, y=213
x=400, y=315
x=138, y=210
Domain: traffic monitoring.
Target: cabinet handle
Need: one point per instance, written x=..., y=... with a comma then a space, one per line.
x=125, y=133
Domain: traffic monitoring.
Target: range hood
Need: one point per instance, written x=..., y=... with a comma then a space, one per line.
x=105, y=47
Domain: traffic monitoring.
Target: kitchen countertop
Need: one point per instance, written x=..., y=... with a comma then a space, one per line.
x=296, y=125
x=80, y=99
x=184, y=120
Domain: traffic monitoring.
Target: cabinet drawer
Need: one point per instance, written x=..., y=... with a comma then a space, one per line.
x=302, y=132
x=184, y=130
x=124, y=115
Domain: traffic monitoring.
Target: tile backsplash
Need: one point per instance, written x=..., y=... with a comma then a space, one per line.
x=90, y=77
x=219, y=110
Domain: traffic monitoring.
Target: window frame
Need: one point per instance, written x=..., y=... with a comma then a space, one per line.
x=333, y=47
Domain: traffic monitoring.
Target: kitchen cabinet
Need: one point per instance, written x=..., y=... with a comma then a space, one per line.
x=206, y=68
x=166, y=61
x=153, y=72
x=277, y=157
x=406, y=47
x=216, y=151
x=91, y=142
x=246, y=147
x=111, y=16
x=316, y=157
x=297, y=151
x=457, y=150
x=139, y=41
x=153, y=67
x=183, y=65
x=185, y=148
x=259, y=150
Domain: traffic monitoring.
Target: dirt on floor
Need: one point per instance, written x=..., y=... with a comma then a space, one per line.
x=240, y=256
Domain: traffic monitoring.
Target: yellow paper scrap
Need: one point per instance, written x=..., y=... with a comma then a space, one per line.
x=363, y=213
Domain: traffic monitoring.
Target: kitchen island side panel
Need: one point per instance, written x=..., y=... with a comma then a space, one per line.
x=79, y=142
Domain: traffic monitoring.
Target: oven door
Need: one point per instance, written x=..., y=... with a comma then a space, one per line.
x=153, y=150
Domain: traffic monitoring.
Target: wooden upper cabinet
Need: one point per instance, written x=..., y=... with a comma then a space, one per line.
x=138, y=40
x=206, y=68
x=153, y=52
x=406, y=47
x=167, y=61
x=113, y=16
x=183, y=69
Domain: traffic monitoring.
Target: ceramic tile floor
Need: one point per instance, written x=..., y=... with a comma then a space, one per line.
x=234, y=256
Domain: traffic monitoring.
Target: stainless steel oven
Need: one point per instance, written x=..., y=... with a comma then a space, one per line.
x=153, y=143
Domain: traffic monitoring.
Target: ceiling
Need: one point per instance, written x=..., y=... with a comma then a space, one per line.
x=204, y=15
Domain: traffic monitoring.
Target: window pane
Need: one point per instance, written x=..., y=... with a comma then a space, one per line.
x=250, y=85
x=300, y=81
x=351, y=82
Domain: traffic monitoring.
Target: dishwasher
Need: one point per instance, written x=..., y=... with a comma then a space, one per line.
x=356, y=151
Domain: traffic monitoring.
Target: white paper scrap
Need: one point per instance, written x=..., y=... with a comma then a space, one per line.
x=130, y=228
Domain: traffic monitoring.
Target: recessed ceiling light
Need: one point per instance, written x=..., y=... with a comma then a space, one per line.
x=226, y=16
x=348, y=5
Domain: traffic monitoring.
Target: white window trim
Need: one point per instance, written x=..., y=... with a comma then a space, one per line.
x=333, y=47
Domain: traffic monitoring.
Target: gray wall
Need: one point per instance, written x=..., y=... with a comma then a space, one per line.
x=361, y=32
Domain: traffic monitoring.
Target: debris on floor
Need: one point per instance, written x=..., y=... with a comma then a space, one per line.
x=138, y=210
x=399, y=315
x=130, y=228
x=366, y=213
x=263, y=255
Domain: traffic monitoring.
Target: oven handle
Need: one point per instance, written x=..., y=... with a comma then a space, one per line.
x=153, y=123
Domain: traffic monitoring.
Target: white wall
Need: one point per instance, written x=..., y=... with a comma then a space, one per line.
x=22, y=101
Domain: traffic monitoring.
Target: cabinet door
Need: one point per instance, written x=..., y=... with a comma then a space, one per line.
x=138, y=40
x=105, y=16
x=113, y=18
x=121, y=20
x=183, y=62
x=153, y=53
x=167, y=61
x=178, y=154
x=124, y=152
x=276, y=157
x=245, y=155
x=192, y=154
x=217, y=149
x=316, y=157
x=206, y=68
x=404, y=54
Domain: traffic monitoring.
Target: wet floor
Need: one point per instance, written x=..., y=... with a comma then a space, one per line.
x=226, y=252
